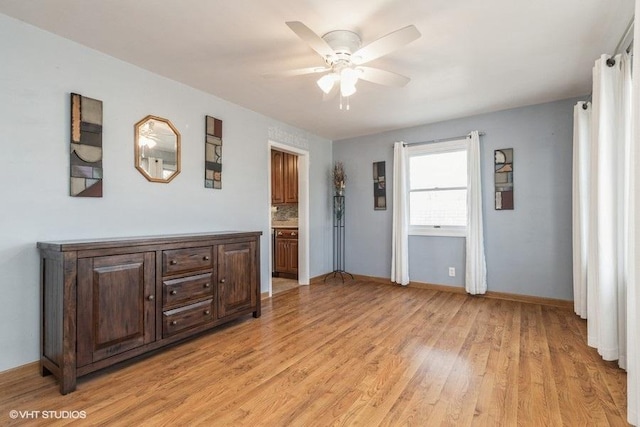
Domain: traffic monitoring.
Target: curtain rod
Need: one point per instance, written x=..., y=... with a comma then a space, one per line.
x=453, y=138
x=626, y=43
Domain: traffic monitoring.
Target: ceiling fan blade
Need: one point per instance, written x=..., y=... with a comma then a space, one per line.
x=312, y=39
x=382, y=77
x=296, y=72
x=385, y=44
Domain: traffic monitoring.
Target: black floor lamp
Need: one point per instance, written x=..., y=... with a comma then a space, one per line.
x=339, y=178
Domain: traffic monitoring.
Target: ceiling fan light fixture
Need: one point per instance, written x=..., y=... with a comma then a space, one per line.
x=343, y=54
x=348, y=80
x=349, y=76
x=346, y=89
x=326, y=82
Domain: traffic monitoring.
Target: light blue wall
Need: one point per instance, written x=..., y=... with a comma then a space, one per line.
x=528, y=250
x=37, y=73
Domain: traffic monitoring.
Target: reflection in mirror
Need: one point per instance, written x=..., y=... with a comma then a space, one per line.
x=157, y=149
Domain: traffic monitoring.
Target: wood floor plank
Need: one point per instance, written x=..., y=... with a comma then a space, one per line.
x=505, y=405
x=534, y=398
x=432, y=400
x=358, y=353
x=388, y=400
x=572, y=377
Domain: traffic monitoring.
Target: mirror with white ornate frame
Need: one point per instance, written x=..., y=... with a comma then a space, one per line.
x=157, y=149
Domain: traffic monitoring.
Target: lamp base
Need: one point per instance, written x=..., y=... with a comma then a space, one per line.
x=342, y=273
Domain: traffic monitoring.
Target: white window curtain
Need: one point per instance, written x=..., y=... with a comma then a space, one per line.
x=601, y=207
x=633, y=284
x=476, y=268
x=608, y=207
x=580, y=200
x=400, y=233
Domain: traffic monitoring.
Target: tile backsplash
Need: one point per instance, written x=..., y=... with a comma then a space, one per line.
x=284, y=212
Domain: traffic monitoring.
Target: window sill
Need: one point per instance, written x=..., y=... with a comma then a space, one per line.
x=441, y=231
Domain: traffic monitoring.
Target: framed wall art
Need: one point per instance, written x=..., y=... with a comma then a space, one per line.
x=86, y=147
x=379, y=186
x=503, y=178
x=213, y=153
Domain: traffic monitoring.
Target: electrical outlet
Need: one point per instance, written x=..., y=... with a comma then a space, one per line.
x=452, y=272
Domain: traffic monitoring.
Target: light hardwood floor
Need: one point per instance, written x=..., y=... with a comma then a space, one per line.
x=280, y=284
x=355, y=354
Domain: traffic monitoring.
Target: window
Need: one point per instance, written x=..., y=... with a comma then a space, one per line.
x=438, y=189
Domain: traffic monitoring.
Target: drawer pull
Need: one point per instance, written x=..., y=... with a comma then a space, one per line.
x=222, y=280
x=207, y=285
x=279, y=233
x=205, y=258
x=174, y=322
x=173, y=262
x=173, y=292
x=207, y=312
x=293, y=234
x=150, y=297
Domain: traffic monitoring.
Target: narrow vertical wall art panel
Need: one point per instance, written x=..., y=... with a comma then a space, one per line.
x=86, y=147
x=379, y=186
x=213, y=153
x=503, y=178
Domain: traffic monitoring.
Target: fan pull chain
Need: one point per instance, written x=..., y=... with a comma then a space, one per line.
x=345, y=106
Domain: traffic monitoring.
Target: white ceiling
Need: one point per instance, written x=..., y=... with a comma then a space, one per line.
x=473, y=57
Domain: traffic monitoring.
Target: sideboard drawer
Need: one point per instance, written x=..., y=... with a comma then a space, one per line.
x=286, y=233
x=186, y=317
x=179, y=260
x=179, y=291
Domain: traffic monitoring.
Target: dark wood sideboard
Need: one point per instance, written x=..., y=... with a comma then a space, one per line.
x=107, y=300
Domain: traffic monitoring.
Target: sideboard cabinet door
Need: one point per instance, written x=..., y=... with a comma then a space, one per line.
x=237, y=278
x=116, y=305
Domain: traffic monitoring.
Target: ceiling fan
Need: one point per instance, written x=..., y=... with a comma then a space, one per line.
x=344, y=56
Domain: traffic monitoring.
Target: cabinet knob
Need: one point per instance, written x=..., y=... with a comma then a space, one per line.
x=205, y=258
x=293, y=234
x=174, y=322
x=279, y=233
x=150, y=297
x=222, y=280
x=206, y=285
x=173, y=262
x=173, y=292
x=207, y=312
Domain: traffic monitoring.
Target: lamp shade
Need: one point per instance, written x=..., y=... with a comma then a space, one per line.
x=347, y=89
x=348, y=80
x=349, y=76
x=326, y=82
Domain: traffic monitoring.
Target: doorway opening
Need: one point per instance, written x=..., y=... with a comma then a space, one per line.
x=288, y=217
